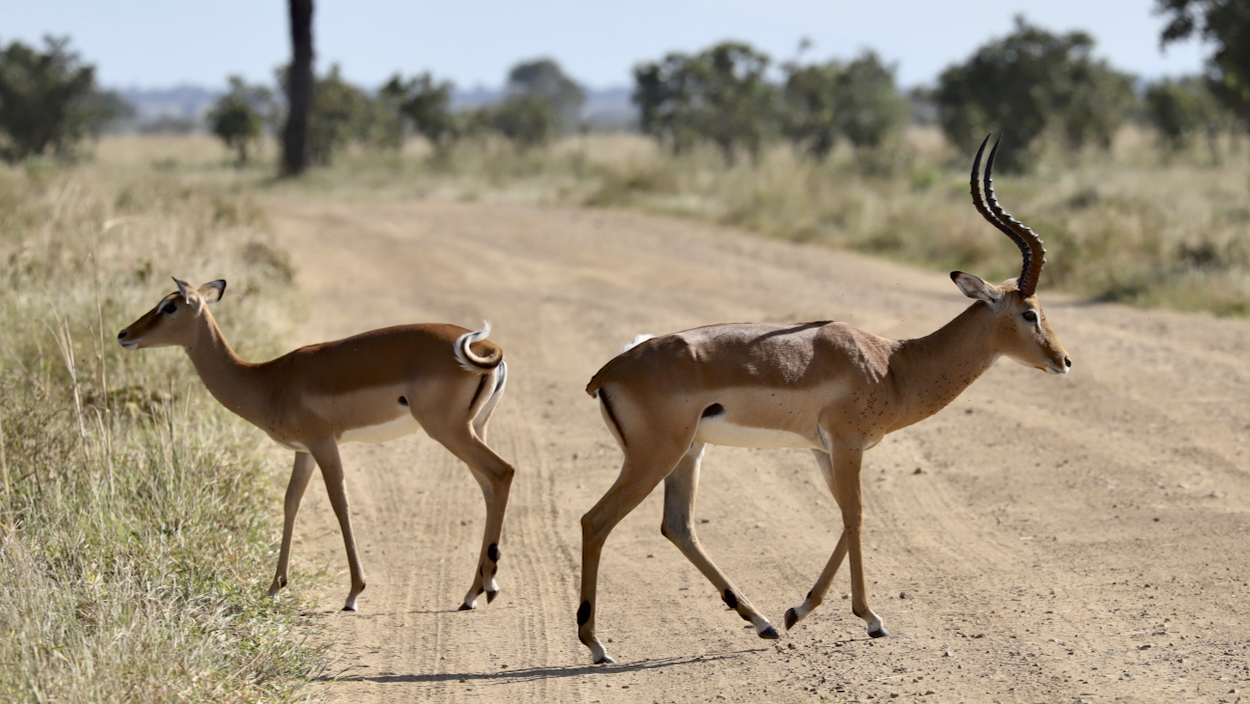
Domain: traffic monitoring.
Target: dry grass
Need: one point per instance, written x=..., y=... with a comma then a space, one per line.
x=137, y=519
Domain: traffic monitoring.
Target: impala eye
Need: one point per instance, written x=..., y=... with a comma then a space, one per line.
x=169, y=308
x=1029, y=316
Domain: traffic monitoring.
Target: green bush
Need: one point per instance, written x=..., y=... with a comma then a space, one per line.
x=49, y=101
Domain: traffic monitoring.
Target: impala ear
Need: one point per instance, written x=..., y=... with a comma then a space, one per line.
x=190, y=295
x=184, y=289
x=212, y=291
x=974, y=287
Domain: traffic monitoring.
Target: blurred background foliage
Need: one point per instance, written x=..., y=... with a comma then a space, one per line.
x=1049, y=92
x=1137, y=186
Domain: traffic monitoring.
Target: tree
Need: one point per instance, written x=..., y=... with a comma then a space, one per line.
x=1226, y=24
x=859, y=101
x=720, y=95
x=425, y=103
x=48, y=100
x=1025, y=83
x=664, y=94
x=1181, y=109
x=545, y=80
x=870, y=108
x=341, y=112
x=811, y=107
x=236, y=117
x=296, y=143
x=527, y=121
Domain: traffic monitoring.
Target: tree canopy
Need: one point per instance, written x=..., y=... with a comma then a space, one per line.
x=1225, y=24
x=544, y=80
x=1027, y=82
x=49, y=100
x=720, y=94
x=237, y=116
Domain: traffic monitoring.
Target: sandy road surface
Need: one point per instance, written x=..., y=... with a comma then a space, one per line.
x=1043, y=539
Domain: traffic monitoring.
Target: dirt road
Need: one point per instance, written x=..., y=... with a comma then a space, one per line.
x=1043, y=539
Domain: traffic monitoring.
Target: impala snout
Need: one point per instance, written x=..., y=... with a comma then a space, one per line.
x=128, y=344
x=1056, y=360
x=1060, y=367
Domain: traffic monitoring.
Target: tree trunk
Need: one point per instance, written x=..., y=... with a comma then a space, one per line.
x=295, y=142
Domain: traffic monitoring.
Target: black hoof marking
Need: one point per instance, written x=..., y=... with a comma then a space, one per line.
x=493, y=552
x=879, y=633
x=465, y=607
x=770, y=633
x=583, y=613
x=490, y=596
x=607, y=660
x=791, y=618
x=349, y=608
x=731, y=600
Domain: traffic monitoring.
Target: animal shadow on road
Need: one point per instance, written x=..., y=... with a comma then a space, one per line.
x=528, y=674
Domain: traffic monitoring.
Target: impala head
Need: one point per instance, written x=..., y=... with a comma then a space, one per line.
x=173, y=320
x=1020, y=329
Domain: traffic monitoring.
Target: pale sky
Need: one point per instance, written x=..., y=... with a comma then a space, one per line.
x=163, y=43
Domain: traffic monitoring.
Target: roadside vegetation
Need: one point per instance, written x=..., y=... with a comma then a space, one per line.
x=1130, y=224
x=137, y=520
x=1140, y=195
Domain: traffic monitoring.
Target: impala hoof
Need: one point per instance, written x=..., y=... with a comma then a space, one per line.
x=605, y=660
x=490, y=596
x=465, y=607
x=349, y=607
x=792, y=617
x=879, y=633
x=770, y=633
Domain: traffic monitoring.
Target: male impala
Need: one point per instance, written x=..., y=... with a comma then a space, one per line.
x=824, y=386
x=373, y=387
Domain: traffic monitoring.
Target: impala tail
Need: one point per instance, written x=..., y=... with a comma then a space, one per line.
x=593, y=387
x=470, y=360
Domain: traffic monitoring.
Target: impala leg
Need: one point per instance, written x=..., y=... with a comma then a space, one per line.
x=846, y=465
x=295, y=488
x=494, y=475
x=632, y=486
x=482, y=419
x=680, y=489
x=817, y=594
x=327, y=456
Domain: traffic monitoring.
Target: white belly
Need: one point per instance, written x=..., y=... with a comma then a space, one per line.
x=715, y=431
x=401, y=426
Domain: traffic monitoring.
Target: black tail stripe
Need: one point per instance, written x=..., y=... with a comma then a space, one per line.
x=481, y=386
x=607, y=407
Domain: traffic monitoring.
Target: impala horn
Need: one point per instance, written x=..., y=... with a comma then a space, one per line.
x=1027, y=240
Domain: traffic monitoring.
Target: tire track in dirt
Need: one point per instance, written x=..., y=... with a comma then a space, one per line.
x=1057, y=527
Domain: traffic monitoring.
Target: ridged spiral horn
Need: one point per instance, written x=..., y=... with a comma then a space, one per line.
x=1028, y=241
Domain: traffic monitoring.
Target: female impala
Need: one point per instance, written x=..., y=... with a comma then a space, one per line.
x=827, y=387
x=373, y=387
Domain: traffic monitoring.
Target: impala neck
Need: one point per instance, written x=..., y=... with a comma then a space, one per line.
x=231, y=380
x=941, y=365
